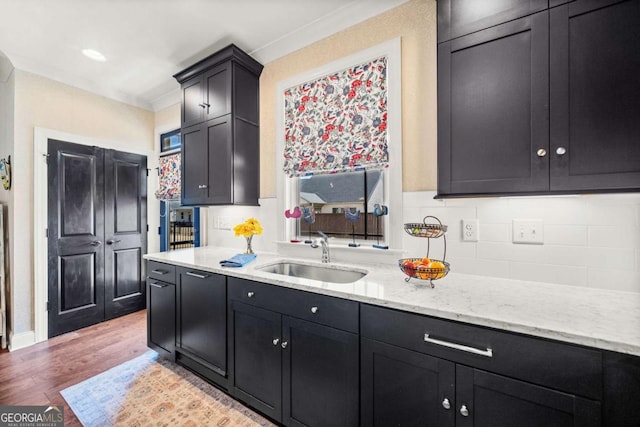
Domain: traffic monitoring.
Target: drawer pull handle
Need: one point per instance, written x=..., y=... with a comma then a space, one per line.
x=199, y=276
x=464, y=411
x=487, y=353
x=157, y=285
x=314, y=310
x=276, y=341
x=250, y=294
x=159, y=272
x=446, y=404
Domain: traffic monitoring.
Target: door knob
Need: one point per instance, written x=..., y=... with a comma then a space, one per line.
x=561, y=151
x=446, y=404
x=112, y=241
x=276, y=341
x=541, y=152
x=464, y=411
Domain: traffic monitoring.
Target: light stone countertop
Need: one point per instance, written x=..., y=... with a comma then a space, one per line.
x=597, y=318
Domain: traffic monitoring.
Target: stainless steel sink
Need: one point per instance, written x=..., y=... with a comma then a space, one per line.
x=314, y=272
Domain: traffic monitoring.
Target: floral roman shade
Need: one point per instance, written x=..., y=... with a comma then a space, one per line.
x=337, y=123
x=169, y=171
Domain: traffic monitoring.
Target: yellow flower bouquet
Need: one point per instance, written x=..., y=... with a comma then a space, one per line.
x=248, y=229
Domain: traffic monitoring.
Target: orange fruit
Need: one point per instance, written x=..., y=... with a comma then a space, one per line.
x=437, y=269
x=425, y=261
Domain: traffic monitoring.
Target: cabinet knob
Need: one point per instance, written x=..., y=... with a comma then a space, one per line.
x=446, y=404
x=464, y=411
x=250, y=294
x=276, y=341
x=561, y=151
x=202, y=105
x=284, y=344
x=314, y=310
x=541, y=152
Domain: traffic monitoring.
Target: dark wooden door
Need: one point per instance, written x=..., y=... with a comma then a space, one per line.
x=125, y=232
x=255, y=357
x=320, y=375
x=217, y=87
x=194, y=170
x=193, y=106
x=404, y=388
x=161, y=316
x=460, y=17
x=202, y=318
x=76, y=236
x=595, y=95
x=493, y=91
x=97, y=234
x=489, y=400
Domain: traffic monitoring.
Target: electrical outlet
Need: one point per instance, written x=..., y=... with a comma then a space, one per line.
x=224, y=222
x=528, y=231
x=470, y=230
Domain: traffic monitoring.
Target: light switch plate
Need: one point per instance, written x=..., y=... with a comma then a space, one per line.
x=470, y=230
x=528, y=231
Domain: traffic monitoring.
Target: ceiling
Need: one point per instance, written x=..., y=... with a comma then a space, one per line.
x=147, y=41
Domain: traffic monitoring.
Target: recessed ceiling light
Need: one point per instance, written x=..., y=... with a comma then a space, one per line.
x=94, y=54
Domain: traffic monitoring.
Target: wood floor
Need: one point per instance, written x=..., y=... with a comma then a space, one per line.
x=35, y=375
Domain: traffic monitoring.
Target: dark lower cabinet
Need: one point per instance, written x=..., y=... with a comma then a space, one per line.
x=435, y=382
x=320, y=375
x=488, y=400
x=255, y=361
x=161, y=317
x=405, y=388
x=201, y=341
x=297, y=372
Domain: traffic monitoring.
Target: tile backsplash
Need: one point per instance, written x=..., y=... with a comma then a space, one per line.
x=590, y=240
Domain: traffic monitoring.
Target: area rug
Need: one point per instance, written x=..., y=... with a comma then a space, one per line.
x=146, y=391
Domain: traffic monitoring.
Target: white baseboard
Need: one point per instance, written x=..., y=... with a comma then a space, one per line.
x=21, y=340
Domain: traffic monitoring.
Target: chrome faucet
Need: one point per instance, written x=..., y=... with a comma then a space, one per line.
x=324, y=242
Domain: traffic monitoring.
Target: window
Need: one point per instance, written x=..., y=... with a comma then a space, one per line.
x=170, y=140
x=343, y=204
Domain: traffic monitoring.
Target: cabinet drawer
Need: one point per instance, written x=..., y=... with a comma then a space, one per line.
x=161, y=271
x=335, y=312
x=565, y=367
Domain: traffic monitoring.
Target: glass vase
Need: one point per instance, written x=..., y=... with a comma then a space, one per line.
x=249, y=249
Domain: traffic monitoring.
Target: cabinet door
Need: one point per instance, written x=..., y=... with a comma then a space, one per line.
x=161, y=317
x=493, y=90
x=202, y=318
x=489, y=400
x=220, y=161
x=194, y=165
x=217, y=88
x=404, y=388
x=595, y=95
x=320, y=375
x=193, y=106
x=459, y=17
x=255, y=357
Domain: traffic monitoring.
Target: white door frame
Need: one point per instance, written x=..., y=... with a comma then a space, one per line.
x=40, y=210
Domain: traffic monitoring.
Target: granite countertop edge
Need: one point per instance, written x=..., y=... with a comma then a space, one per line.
x=607, y=320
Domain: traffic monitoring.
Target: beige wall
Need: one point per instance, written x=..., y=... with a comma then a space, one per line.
x=40, y=102
x=415, y=23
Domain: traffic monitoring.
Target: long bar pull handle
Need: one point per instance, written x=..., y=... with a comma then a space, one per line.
x=159, y=271
x=157, y=285
x=487, y=353
x=199, y=276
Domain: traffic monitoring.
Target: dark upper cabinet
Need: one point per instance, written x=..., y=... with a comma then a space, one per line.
x=460, y=17
x=220, y=131
x=541, y=104
x=493, y=91
x=595, y=95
